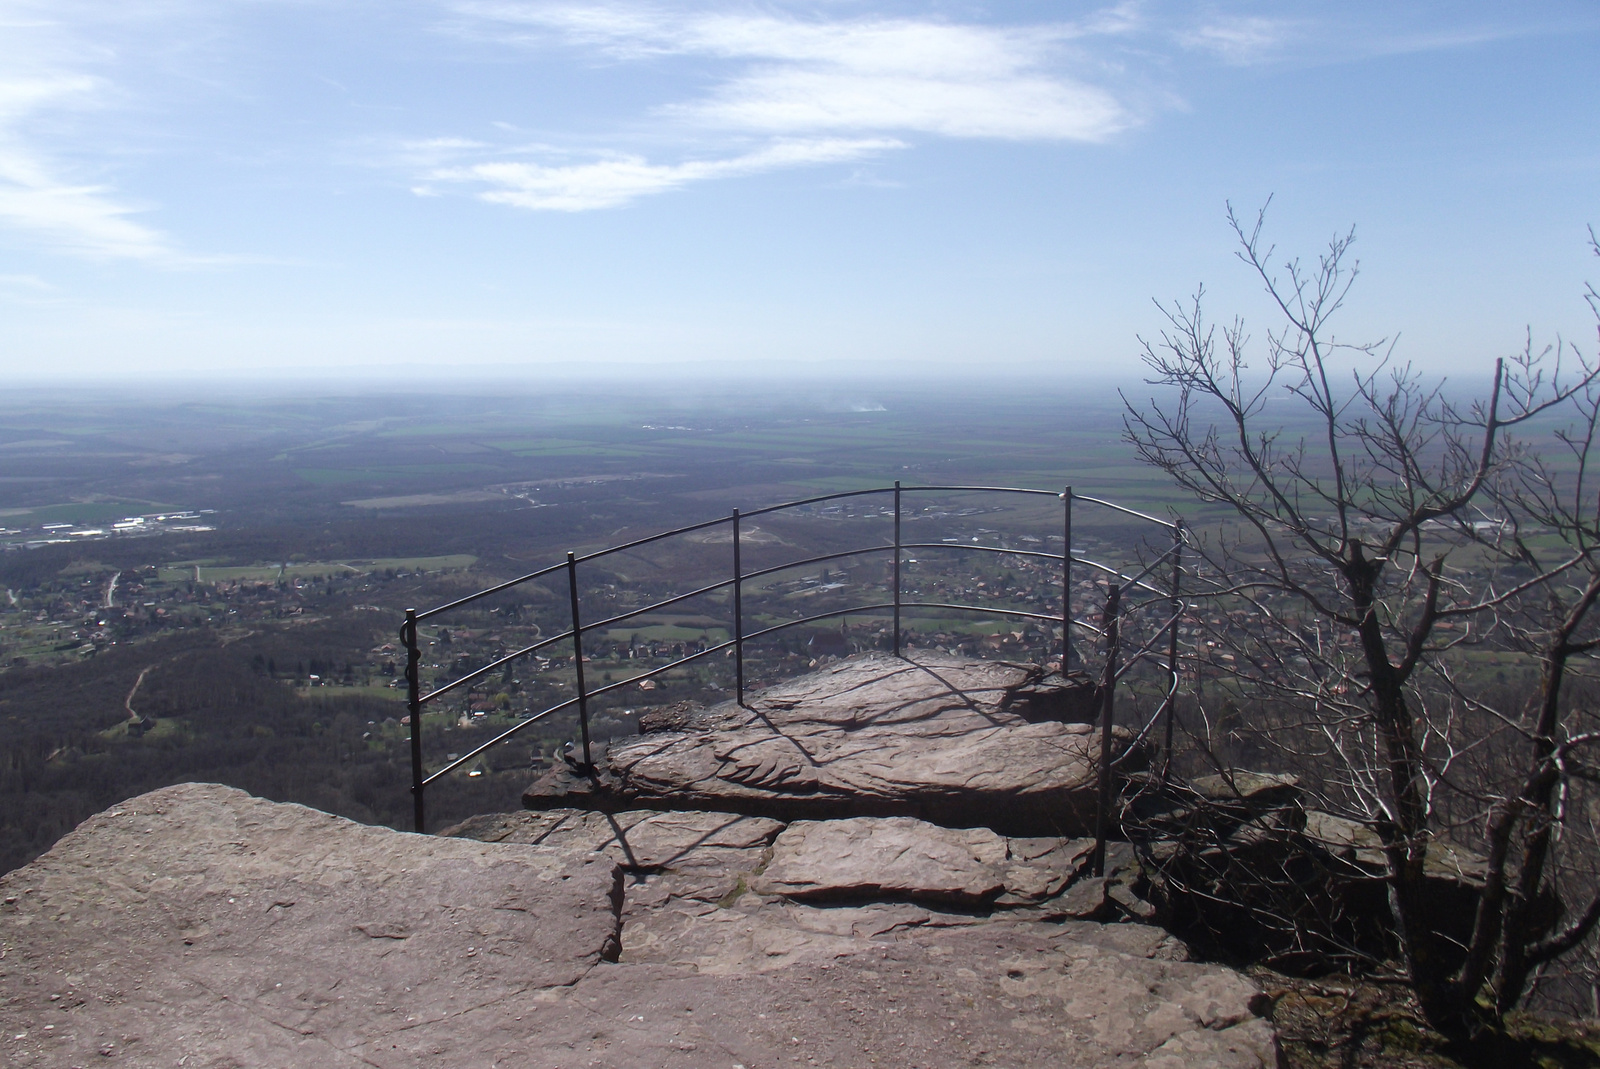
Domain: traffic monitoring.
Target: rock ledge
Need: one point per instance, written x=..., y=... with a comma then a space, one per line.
x=949, y=740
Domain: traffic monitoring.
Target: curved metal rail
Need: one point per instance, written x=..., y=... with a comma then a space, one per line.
x=1109, y=632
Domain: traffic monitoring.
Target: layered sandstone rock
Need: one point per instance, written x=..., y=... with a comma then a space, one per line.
x=199, y=926
x=198, y=922
x=945, y=739
x=901, y=858
x=878, y=864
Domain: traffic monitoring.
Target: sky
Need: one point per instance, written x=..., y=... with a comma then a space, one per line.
x=403, y=190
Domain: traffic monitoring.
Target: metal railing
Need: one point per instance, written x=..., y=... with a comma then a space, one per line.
x=1116, y=609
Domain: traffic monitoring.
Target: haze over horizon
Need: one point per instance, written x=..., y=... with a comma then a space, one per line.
x=305, y=188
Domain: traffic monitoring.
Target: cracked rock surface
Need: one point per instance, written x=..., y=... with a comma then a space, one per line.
x=859, y=942
x=199, y=921
x=199, y=926
x=929, y=735
x=896, y=858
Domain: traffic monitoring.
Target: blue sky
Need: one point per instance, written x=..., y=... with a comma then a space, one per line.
x=201, y=188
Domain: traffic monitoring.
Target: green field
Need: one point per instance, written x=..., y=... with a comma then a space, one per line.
x=97, y=512
x=536, y=447
x=337, y=476
x=667, y=633
x=207, y=572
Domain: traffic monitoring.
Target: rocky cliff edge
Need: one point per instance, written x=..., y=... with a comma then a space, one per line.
x=199, y=926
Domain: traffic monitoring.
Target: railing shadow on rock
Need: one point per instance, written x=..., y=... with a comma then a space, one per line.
x=1122, y=600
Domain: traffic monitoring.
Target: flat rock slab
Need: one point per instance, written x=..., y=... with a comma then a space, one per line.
x=705, y=857
x=932, y=737
x=198, y=919
x=643, y=840
x=197, y=926
x=1013, y=995
x=899, y=858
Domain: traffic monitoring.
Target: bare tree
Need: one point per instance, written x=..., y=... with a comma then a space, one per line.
x=1384, y=538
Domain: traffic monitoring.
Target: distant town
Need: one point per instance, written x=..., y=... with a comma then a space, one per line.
x=155, y=523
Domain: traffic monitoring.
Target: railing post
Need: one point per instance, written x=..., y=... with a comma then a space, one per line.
x=1172, y=647
x=408, y=635
x=897, y=567
x=1108, y=696
x=577, y=661
x=1066, y=582
x=738, y=615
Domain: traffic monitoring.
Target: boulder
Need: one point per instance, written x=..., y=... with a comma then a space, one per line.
x=1248, y=792
x=932, y=737
x=902, y=858
x=885, y=858
x=1240, y=867
x=1444, y=864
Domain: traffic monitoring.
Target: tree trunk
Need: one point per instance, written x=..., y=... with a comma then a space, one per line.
x=1405, y=831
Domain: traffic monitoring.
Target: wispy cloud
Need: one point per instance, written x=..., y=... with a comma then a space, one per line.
x=1446, y=39
x=813, y=84
x=1014, y=108
x=85, y=219
x=817, y=90
x=871, y=74
x=608, y=183
x=1351, y=34
x=40, y=195
x=1240, y=40
x=30, y=283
